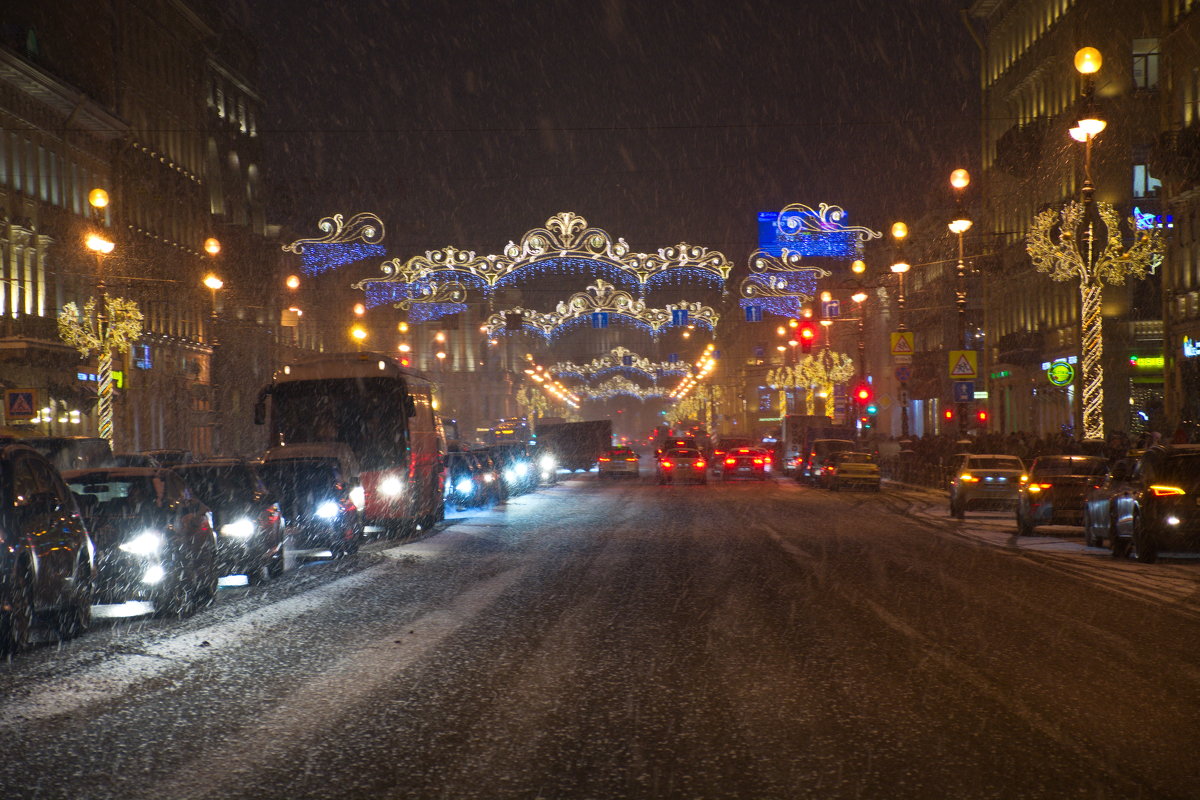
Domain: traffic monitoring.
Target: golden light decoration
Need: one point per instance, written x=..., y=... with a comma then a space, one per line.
x=614, y=361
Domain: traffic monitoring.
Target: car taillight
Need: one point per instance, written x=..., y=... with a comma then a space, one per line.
x=767, y=460
x=667, y=465
x=271, y=515
x=605, y=458
x=632, y=459
x=758, y=461
x=731, y=461
x=699, y=463
x=967, y=477
x=1037, y=487
x=1166, y=491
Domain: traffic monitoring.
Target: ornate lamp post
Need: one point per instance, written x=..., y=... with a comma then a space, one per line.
x=959, y=179
x=1083, y=242
x=899, y=232
x=214, y=283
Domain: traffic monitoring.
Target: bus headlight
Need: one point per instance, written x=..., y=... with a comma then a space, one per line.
x=391, y=486
x=239, y=529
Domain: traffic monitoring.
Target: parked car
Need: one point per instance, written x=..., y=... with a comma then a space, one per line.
x=69, y=452
x=619, y=462
x=314, y=498
x=1055, y=490
x=154, y=540
x=1098, y=505
x=40, y=525
x=246, y=516
x=746, y=462
x=1152, y=504
x=985, y=481
x=818, y=457
x=682, y=465
x=847, y=469
x=471, y=479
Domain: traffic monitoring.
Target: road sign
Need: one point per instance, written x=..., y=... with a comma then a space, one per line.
x=831, y=309
x=1060, y=373
x=964, y=391
x=902, y=343
x=964, y=365
x=904, y=373
x=20, y=404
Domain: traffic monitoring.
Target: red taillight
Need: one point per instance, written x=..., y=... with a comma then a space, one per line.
x=631, y=459
x=667, y=465
x=699, y=463
x=731, y=461
x=1166, y=491
x=767, y=460
x=758, y=461
x=271, y=515
x=605, y=458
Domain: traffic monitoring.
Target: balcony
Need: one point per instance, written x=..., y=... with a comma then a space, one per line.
x=34, y=340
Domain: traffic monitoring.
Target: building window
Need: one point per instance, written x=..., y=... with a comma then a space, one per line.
x=1144, y=184
x=1145, y=63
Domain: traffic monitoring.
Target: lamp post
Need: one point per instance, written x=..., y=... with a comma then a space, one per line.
x=959, y=179
x=98, y=199
x=214, y=283
x=1065, y=244
x=900, y=267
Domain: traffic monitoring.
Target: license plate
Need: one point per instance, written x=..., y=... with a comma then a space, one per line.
x=743, y=469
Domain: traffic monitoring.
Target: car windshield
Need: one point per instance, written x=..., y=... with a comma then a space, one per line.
x=104, y=493
x=301, y=483
x=1082, y=467
x=684, y=453
x=855, y=458
x=219, y=486
x=994, y=462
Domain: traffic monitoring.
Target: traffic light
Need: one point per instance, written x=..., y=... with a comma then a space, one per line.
x=948, y=414
x=863, y=394
x=807, y=335
x=981, y=417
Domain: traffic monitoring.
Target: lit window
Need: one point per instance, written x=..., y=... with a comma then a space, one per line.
x=1145, y=63
x=1144, y=184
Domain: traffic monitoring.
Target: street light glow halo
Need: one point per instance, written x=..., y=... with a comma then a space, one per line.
x=900, y=267
x=1088, y=60
x=98, y=244
x=213, y=282
x=960, y=179
x=1092, y=126
x=960, y=225
x=98, y=198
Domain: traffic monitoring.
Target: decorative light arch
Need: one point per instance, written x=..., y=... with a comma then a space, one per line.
x=619, y=386
x=615, y=362
x=343, y=243
x=602, y=297
x=565, y=246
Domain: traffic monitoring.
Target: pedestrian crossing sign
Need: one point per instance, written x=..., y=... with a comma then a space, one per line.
x=20, y=405
x=964, y=365
x=902, y=343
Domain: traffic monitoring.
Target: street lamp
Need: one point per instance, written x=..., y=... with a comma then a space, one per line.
x=900, y=268
x=98, y=244
x=1065, y=245
x=959, y=180
x=359, y=334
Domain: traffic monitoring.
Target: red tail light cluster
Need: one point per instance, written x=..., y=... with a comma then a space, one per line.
x=667, y=465
x=730, y=461
x=605, y=458
x=700, y=463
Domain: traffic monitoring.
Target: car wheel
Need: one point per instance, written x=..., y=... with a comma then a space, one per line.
x=1024, y=528
x=76, y=617
x=1143, y=546
x=1117, y=544
x=16, y=615
x=1090, y=537
x=206, y=576
x=277, y=563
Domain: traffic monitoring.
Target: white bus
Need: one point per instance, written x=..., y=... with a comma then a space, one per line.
x=382, y=414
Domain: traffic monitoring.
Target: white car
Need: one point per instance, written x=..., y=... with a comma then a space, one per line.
x=619, y=462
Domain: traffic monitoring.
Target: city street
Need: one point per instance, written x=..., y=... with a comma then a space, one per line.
x=624, y=639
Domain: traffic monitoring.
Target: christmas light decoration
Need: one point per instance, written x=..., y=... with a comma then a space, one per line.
x=615, y=362
x=1083, y=246
x=820, y=233
x=343, y=243
x=602, y=297
x=619, y=386
x=565, y=246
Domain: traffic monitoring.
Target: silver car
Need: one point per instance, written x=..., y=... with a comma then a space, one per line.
x=985, y=481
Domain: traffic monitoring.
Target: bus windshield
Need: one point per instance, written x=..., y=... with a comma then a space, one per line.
x=366, y=414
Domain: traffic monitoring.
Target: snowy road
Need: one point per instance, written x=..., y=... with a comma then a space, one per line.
x=630, y=640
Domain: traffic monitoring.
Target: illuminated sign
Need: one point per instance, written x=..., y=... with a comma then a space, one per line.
x=1190, y=348
x=1147, y=362
x=1060, y=373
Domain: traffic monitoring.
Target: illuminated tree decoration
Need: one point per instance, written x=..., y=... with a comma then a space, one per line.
x=565, y=246
x=820, y=233
x=1065, y=246
x=817, y=375
x=343, y=243
x=615, y=363
x=602, y=296
x=91, y=334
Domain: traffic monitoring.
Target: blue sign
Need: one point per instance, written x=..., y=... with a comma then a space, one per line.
x=753, y=313
x=964, y=391
x=673, y=358
x=679, y=316
x=831, y=309
x=600, y=319
x=627, y=361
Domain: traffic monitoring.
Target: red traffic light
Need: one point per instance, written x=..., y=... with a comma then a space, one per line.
x=982, y=416
x=863, y=393
x=948, y=413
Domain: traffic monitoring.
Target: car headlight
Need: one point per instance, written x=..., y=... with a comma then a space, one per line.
x=328, y=510
x=522, y=469
x=547, y=463
x=510, y=475
x=154, y=573
x=358, y=496
x=146, y=543
x=240, y=528
x=464, y=486
x=391, y=486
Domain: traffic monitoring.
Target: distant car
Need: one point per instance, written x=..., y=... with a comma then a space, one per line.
x=515, y=467
x=985, y=481
x=154, y=540
x=726, y=443
x=314, y=498
x=133, y=460
x=818, y=456
x=619, y=462
x=246, y=516
x=847, y=469
x=471, y=479
x=1153, y=504
x=746, y=462
x=47, y=561
x=682, y=465
x=1055, y=490
x=676, y=443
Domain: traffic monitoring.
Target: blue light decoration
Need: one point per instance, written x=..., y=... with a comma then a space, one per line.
x=779, y=306
x=811, y=233
x=427, y=312
x=343, y=243
x=1148, y=220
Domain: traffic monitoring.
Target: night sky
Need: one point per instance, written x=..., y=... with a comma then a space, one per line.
x=468, y=123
